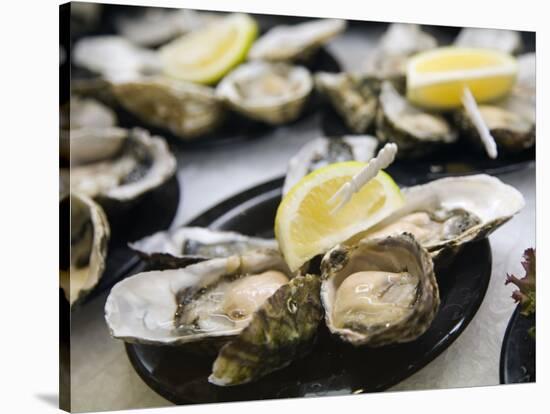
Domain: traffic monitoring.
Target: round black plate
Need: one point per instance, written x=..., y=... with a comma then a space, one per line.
x=517, y=357
x=332, y=367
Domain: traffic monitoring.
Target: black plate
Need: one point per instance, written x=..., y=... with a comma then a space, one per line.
x=332, y=367
x=517, y=357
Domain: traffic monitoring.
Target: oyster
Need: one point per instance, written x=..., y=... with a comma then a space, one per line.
x=89, y=238
x=416, y=131
x=323, y=151
x=296, y=42
x=445, y=214
x=283, y=329
x=270, y=92
x=512, y=120
x=186, y=245
x=144, y=163
x=186, y=109
x=379, y=291
x=212, y=300
x=355, y=98
x=507, y=41
x=115, y=58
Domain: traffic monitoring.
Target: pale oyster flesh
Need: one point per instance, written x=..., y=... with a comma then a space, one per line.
x=507, y=41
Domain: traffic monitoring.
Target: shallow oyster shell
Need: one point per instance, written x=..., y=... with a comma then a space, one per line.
x=143, y=308
x=296, y=42
x=355, y=98
x=186, y=109
x=416, y=131
x=282, y=330
x=270, y=92
x=507, y=41
x=186, y=245
x=404, y=296
x=89, y=238
x=323, y=151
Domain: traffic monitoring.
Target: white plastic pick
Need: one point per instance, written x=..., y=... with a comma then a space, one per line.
x=470, y=105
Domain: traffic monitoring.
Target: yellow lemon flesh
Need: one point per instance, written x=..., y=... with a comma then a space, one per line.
x=206, y=55
x=436, y=78
x=304, y=225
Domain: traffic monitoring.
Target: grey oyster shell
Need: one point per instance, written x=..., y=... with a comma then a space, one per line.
x=402, y=298
x=507, y=41
x=89, y=239
x=187, y=245
x=416, y=131
x=323, y=151
x=195, y=304
x=282, y=330
x=297, y=42
x=274, y=93
x=186, y=109
x=353, y=97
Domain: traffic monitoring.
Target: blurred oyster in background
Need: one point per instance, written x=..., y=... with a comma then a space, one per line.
x=157, y=26
x=508, y=41
x=270, y=92
x=296, y=42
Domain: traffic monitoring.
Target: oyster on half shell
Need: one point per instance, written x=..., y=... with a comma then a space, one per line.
x=270, y=92
x=507, y=41
x=379, y=291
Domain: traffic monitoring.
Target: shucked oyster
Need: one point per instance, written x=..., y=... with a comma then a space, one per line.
x=355, y=98
x=416, y=131
x=323, y=151
x=379, y=291
x=186, y=109
x=185, y=245
x=144, y=163
x=269, y=92
x=296, y=42
x=507, y=41
x=89, y=238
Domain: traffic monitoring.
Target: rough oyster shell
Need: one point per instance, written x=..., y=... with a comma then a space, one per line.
x=270, y=92
x=186, y=245
x=507, y=41
x=144, y=164
x=379, y=291
x=282, y=330
x=322, y=151
x=355, y=98
x=186, y=109
x=296, y=42
x=416, y=131
x=89, y=238
x=192, y=304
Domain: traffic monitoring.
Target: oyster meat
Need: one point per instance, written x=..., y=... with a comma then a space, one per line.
x=416, y=131
x=185, y=245
x=89, y=238
x=270, y=92
x=323, y=151
x=186, y=109
x=354, y=98
x=297, y=42
x=144, y=163
x=379, y=291
x=507, y=41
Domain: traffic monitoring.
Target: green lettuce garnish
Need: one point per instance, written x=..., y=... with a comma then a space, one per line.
x=525, y=295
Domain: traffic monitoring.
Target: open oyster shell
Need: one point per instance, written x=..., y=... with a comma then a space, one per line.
x=145, y=163
x=297, y=42
x=187, y=245
x=379, y=291
x=354, y=98
x=210, y=301
x=283, y=329
x=445, y=214
x=416, y=131
x=323, y=151
x=268, y=92
x=186, y=109
x=89, y=238
x=507, y=41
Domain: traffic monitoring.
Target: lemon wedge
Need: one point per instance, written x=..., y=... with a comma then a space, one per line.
x=304, y=225
x=206, y=55
x=436, y=78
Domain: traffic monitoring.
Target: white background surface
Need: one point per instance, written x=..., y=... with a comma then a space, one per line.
x=30, y=202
